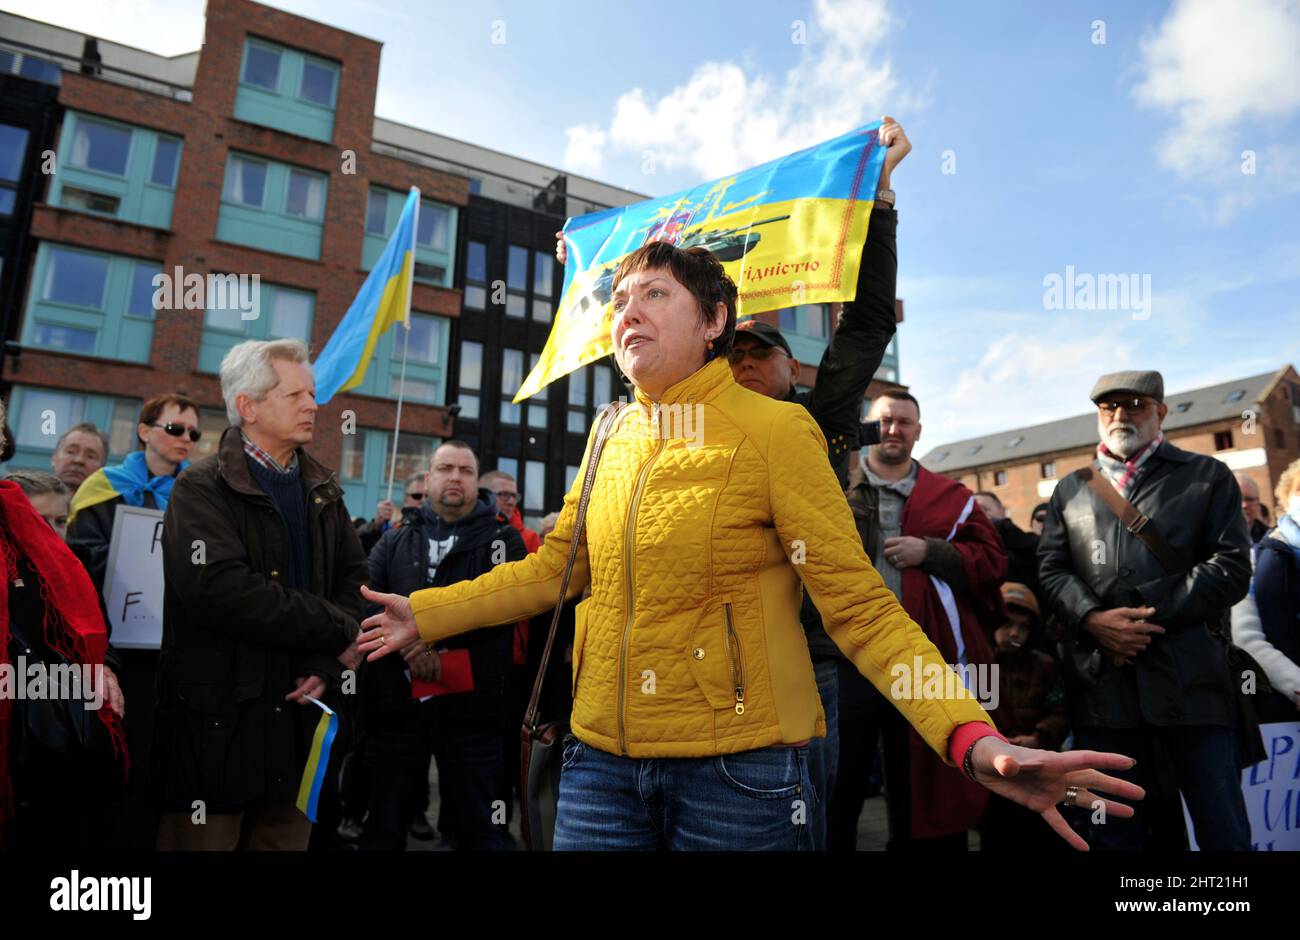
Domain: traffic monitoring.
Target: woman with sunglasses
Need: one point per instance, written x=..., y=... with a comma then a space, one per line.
x=167, y=432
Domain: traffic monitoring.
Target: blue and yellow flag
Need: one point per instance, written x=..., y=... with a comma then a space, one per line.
x=788, y=232
x=318, y=760
x=384, y=299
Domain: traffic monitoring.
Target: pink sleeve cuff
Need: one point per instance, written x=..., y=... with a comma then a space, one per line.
x=966, y=735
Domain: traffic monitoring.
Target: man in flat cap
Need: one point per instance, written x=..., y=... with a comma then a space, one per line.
x=1144, y=603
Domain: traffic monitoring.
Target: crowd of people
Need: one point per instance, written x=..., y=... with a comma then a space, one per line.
x=735, y=619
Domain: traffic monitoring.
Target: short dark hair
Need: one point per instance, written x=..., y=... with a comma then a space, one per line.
x=992, y=496
x=902, y=396
x=453, y=442
x=700, y=272
x=85, y=427
x=154, y=407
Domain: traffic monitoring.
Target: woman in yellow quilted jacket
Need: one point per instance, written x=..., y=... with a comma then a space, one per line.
x=694, y=693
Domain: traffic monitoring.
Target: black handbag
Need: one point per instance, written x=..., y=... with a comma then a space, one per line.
x=58, y=738
x=542, y=745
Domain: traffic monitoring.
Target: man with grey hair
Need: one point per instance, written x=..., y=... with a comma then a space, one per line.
x=80, y=451
x=263, y=569
x=1143, y=603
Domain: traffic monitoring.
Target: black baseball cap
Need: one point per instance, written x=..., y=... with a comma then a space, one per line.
x=765, y=333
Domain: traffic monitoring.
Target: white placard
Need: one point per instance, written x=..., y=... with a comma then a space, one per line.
x=133, y=584
x=1272, y=792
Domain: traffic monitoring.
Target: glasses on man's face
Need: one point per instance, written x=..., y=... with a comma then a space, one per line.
x=178, y=430
x=1131, y=405
x=415, y=496
x=511, y=495
x=758, y=353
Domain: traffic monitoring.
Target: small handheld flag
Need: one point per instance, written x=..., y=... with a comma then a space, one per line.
x=318, y=760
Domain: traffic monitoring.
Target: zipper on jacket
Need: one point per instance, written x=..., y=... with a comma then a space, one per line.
x=629, y=529
x=736, y=660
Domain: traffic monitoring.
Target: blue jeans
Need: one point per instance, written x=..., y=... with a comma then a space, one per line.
x=1205, y=758
x=824, y=753
x=751, y=801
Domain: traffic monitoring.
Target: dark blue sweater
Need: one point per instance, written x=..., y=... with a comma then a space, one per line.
x=285, y=490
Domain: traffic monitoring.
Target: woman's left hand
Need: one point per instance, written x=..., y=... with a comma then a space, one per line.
x=1039, y=780
x=390, y=630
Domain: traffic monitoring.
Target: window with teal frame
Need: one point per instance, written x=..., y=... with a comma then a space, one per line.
x=363, y=469
x=91, y=303
x=38, y=416
x=272, y=206
x=288, y=90
x=282, y=313
x=435, y=236
x=426, y=361
x=117, y=170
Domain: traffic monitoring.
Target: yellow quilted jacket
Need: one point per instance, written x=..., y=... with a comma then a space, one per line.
x=708, y=509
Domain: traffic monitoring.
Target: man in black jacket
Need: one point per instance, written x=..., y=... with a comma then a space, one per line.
x=454, y=536
x=1145, y=645
x=263, y=572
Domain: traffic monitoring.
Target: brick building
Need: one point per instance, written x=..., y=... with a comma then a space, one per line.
x=1251, y=424
x=260, y=154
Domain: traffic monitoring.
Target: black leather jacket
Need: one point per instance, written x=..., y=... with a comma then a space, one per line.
x=1089, y=561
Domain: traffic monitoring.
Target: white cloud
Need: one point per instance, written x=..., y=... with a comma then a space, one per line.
x=165, y=27
x=1228, y=72
x=585, y=149
x=726, y=117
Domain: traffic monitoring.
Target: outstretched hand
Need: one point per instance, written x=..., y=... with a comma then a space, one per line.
x=1040, y=779
x=389, y=631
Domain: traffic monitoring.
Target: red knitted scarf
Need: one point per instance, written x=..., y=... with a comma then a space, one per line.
x=73, y=625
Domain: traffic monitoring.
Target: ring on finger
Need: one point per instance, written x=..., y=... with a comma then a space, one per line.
x=1071, y=796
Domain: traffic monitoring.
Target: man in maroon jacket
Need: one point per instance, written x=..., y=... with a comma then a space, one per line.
x=942, y=558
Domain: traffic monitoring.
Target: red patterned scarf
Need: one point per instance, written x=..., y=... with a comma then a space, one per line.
x=73, y=625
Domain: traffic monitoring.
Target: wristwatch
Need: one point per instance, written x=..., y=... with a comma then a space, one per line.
x=885, y=196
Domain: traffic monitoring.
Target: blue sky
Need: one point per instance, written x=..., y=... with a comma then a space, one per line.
x=1114, y=157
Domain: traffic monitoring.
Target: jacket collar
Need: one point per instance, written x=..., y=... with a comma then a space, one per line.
x=704, y=384
x=232, y=466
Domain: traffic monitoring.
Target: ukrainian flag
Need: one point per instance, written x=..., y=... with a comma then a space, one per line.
x=788, y=232
x=384, y=299
x=318, y=760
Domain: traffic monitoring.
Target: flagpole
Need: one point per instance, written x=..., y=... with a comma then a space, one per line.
x=406, y=343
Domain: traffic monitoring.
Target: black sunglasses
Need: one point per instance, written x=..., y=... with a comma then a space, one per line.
x=178, y=430
x=415, y=496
